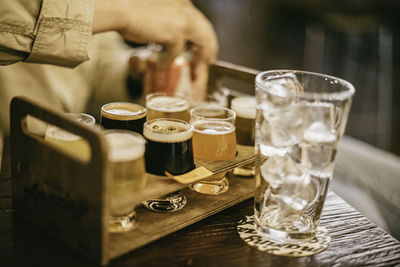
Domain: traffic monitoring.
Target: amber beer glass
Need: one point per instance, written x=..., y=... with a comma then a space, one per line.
x=161, y=105
x=123, y=115
x=127, y=167
x=168, y=148
x=245, y=108
x=214, y=138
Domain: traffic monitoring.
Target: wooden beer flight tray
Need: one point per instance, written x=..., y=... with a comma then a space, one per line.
x=69, y=198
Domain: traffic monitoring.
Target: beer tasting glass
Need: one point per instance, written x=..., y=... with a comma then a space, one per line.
x=127, y=167
x=168, y=105
x=214, y=138
x=123, y=115
x=301, y=117
x=168, y=148
x=70, y=143
x=245, y=109
x=219, y=98
x=161, y=105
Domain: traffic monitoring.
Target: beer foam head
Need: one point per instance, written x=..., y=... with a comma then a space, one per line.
x=123, y=111
x=213, y=127
x=244, y=106
x=165, y=103
x=212, y=113
x=167, y=130
x=60, y=134
x=124, y=146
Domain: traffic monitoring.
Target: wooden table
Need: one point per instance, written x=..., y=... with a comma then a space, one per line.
x=356, y=241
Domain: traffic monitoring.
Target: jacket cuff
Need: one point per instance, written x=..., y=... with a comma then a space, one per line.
x=62, y=34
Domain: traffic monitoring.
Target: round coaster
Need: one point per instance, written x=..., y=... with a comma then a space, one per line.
x=249, y=235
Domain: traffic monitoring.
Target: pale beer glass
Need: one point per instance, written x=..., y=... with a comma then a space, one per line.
x=68, y=142
x=214, y=138
x=168, y=149
x=161, y=105
x=301, y=117
x=245, y=108
x=127, y=168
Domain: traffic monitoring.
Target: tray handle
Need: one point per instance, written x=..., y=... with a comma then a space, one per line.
x=50, y=188
x=223, y=69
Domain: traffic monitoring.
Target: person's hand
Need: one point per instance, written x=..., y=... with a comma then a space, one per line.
x=171, y=23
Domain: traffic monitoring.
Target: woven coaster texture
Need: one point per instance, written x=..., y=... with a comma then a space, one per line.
x=249, y=235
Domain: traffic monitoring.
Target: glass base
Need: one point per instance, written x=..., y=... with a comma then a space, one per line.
x=288, y=234
x=124, y=223
x=212, y=186
x=248, y=170
x=169, y=203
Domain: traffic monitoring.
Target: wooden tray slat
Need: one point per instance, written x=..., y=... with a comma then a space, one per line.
x=153, y=225
x=162, y=185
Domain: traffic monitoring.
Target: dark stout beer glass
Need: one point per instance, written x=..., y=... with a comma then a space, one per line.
x=123, y=115
x=245, y=108
x=168, y=148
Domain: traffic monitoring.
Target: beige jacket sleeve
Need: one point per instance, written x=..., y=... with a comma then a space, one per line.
x=45, y=31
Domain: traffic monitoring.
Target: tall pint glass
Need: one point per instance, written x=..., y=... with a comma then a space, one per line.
x=301, y=117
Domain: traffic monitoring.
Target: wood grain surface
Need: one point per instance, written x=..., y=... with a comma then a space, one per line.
x=210, y=242
x=371, y=183
x=153, y=225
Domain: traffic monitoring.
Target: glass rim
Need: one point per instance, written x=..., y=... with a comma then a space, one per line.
x=141, y=141
x=342, y=95
x=239, y=104
x=161, y=93
x=231, y=117
x=183, y=101
x=91, y=120
x=135, y=114
x=187, y=132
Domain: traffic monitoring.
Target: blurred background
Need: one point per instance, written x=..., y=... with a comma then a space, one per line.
x=357, y=40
